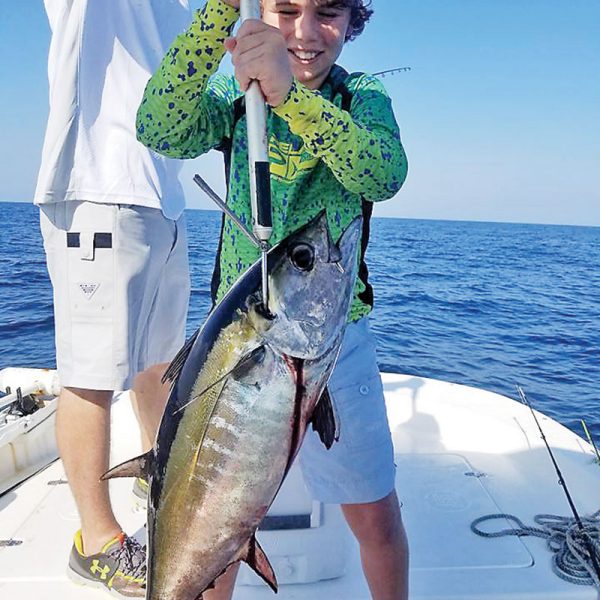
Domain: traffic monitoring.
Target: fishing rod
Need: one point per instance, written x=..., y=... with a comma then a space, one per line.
x=561, y=481
x=388, y=72
x=591, y=440
x=258, y=159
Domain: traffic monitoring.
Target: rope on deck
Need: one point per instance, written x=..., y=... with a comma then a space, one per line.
x=570, y=560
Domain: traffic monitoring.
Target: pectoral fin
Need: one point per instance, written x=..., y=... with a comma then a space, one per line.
x=241, y=368
x=324, y=420
x=139, y=466
x=254, y=556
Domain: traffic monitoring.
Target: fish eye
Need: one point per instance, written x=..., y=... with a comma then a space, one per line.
x=302, y=256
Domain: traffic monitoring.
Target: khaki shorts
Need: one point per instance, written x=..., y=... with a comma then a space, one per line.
x=121, y=289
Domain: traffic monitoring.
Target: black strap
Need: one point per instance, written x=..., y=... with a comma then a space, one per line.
x=337, y=79
x=239, y=111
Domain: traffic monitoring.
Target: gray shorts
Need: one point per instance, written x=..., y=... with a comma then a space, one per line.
x=121, y=285
x=360, y=466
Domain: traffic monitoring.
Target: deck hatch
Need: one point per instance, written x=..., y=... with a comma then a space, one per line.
x=445, y=502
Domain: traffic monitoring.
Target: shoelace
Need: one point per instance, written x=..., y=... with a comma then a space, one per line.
x=132, y=556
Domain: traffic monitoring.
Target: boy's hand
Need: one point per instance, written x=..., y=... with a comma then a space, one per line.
x=259, y=52
x=234, y=3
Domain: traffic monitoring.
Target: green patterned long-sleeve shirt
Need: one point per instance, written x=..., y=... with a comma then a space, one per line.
x=321, y=157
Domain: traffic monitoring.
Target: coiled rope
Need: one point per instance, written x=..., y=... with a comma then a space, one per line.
x=570, y=560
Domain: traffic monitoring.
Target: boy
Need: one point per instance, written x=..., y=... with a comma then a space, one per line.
x=334, y=145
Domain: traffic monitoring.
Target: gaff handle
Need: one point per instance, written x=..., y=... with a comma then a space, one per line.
x=258, y=148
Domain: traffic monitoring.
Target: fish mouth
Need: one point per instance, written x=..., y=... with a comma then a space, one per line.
x=263, y=310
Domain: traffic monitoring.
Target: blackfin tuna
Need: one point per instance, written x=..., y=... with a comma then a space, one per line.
x=245, y=388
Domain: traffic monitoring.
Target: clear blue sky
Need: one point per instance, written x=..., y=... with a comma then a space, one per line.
x=500, y=115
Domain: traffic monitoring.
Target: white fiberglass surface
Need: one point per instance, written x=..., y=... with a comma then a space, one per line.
x=445, y=479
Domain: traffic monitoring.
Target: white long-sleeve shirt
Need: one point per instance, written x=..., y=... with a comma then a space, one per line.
x=102, y=53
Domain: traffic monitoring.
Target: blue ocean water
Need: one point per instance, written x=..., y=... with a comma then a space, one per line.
x=484, y=304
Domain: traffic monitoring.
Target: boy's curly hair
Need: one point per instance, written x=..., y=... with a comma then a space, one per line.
x=360, y=13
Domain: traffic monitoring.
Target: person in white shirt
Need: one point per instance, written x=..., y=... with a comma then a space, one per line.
x=114, y=233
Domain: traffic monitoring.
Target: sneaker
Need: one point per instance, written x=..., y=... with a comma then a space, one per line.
x=140, y=493
x=119, y=568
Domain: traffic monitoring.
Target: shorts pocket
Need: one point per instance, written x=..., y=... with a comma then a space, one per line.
x=360, y=408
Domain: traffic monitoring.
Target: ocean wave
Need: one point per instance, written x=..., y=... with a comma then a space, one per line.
x=482, y=304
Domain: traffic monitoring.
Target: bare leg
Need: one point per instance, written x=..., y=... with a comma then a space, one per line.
x=224, y=585
x=83, y=436
x=383, y=546
x=149, y=397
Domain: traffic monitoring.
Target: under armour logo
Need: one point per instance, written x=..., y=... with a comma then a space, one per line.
x=89, y=289
x=97, y=568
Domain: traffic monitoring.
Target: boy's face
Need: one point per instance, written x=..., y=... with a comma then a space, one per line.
x=315, y=31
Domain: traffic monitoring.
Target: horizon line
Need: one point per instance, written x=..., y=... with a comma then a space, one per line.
x=438, y=219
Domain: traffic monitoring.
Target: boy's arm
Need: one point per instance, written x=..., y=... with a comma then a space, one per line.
x=362, y=148
x=180, y=115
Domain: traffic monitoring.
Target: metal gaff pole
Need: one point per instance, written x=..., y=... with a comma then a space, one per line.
x=258, y=159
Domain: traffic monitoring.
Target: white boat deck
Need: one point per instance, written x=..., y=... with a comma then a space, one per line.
x=461, y=452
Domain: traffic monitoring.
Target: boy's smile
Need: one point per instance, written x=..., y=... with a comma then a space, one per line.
x=314, y=30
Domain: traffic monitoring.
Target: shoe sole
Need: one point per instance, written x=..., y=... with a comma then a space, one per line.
x=82, y=581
